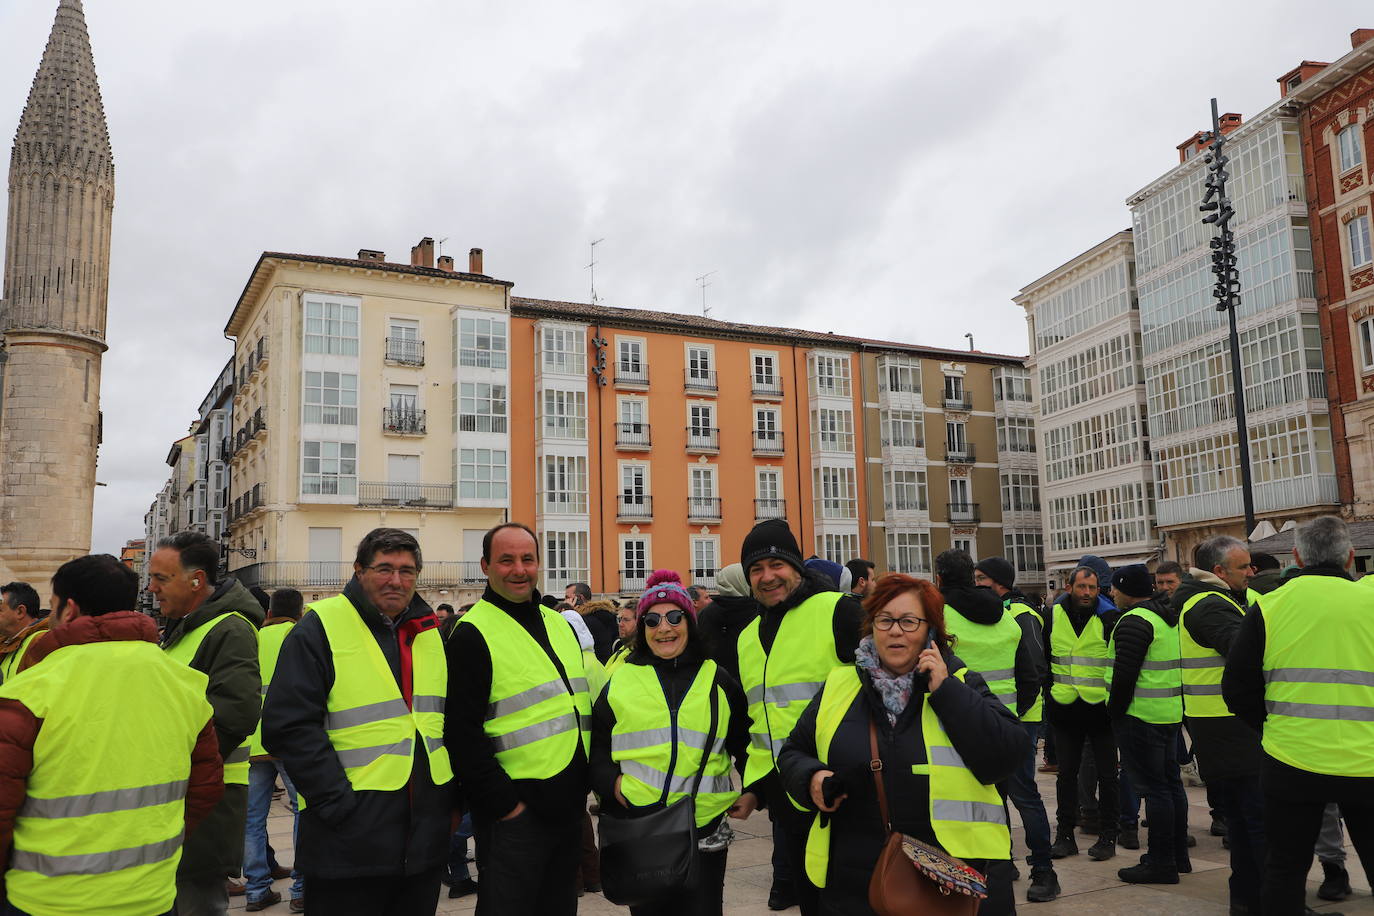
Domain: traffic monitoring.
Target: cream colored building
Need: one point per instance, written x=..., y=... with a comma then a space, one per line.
x=351, y=376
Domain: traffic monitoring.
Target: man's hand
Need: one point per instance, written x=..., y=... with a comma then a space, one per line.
x=745, y=805
x=620, y=797
x=818, y=793
x=515, y=812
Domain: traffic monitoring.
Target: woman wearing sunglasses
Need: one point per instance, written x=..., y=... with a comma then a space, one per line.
x=666, y=687
x=943, y=738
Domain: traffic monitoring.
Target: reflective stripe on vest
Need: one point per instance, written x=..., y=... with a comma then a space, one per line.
x=533, y=720
x=1158, y=696
x=367, y=721
x=1202, y=666
x=968, y=817
x=100, y=828
x=1078, y=661
x=1319, y=683
x=269, y=649
x=779, y=684
x=1037, y=712
x=9, y=666
x=656, y=747
x=184, y=651
x=989, y=649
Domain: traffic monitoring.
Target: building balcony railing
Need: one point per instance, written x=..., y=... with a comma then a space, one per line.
x=700, y=380
x=333, y=576
x=768, y=442
x=703, y=508
x=1022, y=506
x=631, y=375
x=406, y=495
x=905, y=505
x=706, y=578
x=959, y=454
x=634, y=507
x=767, y=387
x=1015, y=447
x=964, y=514
x=405, y=351
x=403, y=421
x=903, y=442
x=632, y=436
x=960, y=403
x=702, y=439
x=769, y=508
x=837, y=508
x=634, y=580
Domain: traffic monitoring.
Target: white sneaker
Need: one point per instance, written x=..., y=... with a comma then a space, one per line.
x=1190, y=774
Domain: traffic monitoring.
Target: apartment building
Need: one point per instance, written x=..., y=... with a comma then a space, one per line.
x=1088, y=383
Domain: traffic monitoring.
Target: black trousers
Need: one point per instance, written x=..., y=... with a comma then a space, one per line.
x=1069, y=738
x=796, y=825
x=527, y=866
x=1149, y=754
x=1243, y=808
x=390, y=895
x=706, y=899
x=1293, y=803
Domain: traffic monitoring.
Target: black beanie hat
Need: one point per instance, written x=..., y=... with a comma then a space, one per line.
x=1134, y=580
x=998, y=570
x=774, y=539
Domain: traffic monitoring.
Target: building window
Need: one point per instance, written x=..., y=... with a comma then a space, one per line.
x=768, y=484
x=964, y=544
x=482, y=408
x=899, y=377
x=481, y=343
x=1020, y=493
x=1025, y=551
x=705, y=561
x=329, y=468
x=565, y=483
x=699, y=364
x=403, y=344
x=902, y=429
x=634, y=484
x=565, y=351
x=908, y=552
x=699, y=418
x=835, y=494
x=565, y=414
x=635, y=554
x=765, y=370
x=906, y=490
x=954, y=388
x=839, y=548
x=1349, y=142
x=1357, y=230
x=1015, y=434
x=331, y=398
x=1008, y=387
x=703, y=483
x=481, y=473
x=1367, y=342
x=829, y=376
x=766, y=425
x=956, y=439
x=331, y=327
x=630, y=359
x=565, y=559
x=832, y=430
x=632, y=414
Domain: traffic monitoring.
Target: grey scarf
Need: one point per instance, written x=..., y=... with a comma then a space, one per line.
x=895, y=689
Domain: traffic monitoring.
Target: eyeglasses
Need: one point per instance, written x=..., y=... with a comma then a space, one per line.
x=908, y=624
x=653, y=618
x=407, y=573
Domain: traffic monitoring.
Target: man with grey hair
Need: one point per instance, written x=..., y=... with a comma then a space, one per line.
x=1300, y=672
x=1212, y=603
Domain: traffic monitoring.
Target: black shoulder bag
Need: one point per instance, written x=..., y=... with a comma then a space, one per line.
x=652, y=856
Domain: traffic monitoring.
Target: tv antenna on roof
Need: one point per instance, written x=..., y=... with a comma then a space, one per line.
x=440, y=246
x=703, y=283
x=592, y=267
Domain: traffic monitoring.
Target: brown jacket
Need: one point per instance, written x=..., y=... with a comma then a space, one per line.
x=13, y=644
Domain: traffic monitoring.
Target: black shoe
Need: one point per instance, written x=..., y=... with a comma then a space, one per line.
x=1129, y=838
x=1218, y=826
x=462, y=888
x=1044, y=885
x=268, y=899
x=1336, y=884
x=1225, y=842
x=1192, y=841
x=781, y=897
x=592, y=888
x=1184, y=865
x=1148, y=873
x=1064, y=846
x=1103, y=849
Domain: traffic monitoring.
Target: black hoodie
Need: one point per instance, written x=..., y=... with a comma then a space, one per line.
x=1133, y=636
x=721, y=622
x=983, y=606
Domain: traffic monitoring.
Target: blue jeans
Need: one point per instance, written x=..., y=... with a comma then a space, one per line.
x=458, y=851
x=1149, y=753
x=257, y=873
x=1021, y=790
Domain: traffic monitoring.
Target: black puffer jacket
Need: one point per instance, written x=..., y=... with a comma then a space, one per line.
x=1133, y=636
x=720, y=624
x=985, y=733
x=983, y=606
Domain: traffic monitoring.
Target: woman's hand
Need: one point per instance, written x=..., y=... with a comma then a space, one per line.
x=932, y=664
x=745, y=805
x=619, y=797
x=818, y=793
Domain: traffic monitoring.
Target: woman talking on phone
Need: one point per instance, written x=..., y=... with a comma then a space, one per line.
x=942, y=738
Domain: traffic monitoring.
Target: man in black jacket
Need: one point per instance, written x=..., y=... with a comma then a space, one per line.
x=726, y=616
x=362, y=852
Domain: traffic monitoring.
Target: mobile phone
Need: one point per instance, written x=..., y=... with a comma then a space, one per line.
x=930, y=644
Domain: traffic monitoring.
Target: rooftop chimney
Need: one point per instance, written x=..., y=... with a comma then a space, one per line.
x=1304, y=72
x=371, y=254
x=446, y=262
x=475, y=261
x=422, y=255
x=1360, y=36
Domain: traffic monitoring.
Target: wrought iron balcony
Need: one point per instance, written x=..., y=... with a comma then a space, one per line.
x=703, y=508
x=632, y=375
x=767, y=387
x=960, y=403
x=403, y=421
x=636, y=507
x=406, y=495
x=768, y=442
x=634, y=580
x=706, y=578
x=632, y=436
x=703, y=439
x=700, y=380
x=959, y=454
x=405, y=351
x=769, y=508
x=963, y=514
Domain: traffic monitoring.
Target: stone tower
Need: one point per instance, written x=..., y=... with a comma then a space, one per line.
x=52, y=316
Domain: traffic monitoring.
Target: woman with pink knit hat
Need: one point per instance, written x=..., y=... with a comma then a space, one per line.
x=650, y=728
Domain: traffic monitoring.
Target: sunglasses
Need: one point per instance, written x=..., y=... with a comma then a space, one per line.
x=653, y=618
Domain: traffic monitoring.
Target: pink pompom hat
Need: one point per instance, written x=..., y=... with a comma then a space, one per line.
x=666, y=586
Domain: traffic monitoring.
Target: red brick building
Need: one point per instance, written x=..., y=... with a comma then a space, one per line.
x=1336, y=116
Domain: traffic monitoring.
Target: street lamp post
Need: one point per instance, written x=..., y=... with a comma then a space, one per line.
x=1217, y=205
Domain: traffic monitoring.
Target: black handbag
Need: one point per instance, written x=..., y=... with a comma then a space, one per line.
x=654, y=855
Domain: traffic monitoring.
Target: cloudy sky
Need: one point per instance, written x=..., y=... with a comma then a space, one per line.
x=874, y=168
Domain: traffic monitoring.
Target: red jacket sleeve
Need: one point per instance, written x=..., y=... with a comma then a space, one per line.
x=18, y=732
x=207, y=777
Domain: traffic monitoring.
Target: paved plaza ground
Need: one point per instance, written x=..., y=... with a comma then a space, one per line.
x=1089, y=887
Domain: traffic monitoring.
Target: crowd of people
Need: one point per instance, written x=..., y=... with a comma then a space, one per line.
x=861, y=712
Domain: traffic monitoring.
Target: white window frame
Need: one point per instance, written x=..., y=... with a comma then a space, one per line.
x=646, y=561
x=469, y=468
x=345, y=401
x=1357, y=235
x=570, y=420
x=830, y=375
x=696, y=555
x=1349, y=147
x=472, y=398
x=696, y=410
x=345, y=484
x=696, y=369
x=760, y=474
x=333, y=318
x=468, y=333
x=637, y=361
x=561, y=544
x=570, y=473
x=1364, y=331
x=563, y=350
x=760, y=360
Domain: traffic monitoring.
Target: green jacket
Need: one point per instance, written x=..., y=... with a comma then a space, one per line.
x=229, y=658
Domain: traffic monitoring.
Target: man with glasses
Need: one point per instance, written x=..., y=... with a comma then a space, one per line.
x=356, y=715
x=625, y=625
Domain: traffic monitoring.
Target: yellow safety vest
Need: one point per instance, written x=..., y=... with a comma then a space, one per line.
x=535, y=718
x=1319, y=680
x=1037, y=712
x=1158, y=696
x=989, y=649
x=1078, y=661
x=779, y=684
x=269, y=648
x=9, y=666
x=368, y=723
x=1202, y=666
x=184, y=650
x=968, y=817
x=617, y=659
x=657, y=749
x=100, y=830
